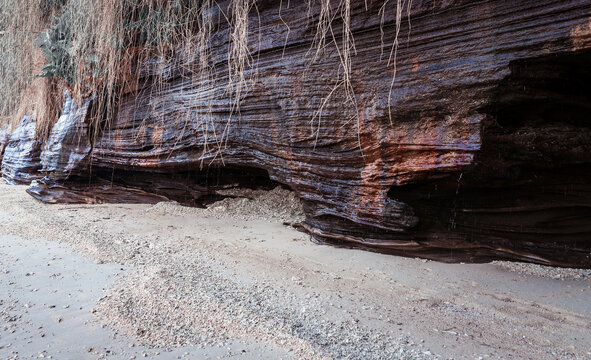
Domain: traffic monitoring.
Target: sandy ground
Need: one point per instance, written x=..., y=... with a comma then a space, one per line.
x=231, y=281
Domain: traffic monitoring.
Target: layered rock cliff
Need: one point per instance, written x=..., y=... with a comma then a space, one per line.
x=478, y=150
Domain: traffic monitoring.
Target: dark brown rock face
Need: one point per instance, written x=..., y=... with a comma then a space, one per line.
x=480, y=149
x=21, y=161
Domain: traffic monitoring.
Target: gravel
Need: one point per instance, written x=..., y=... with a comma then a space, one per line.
x=277, y=205
x=180, y=297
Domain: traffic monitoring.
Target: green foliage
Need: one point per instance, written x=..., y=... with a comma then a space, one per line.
x=58, y=46
x=55, y=43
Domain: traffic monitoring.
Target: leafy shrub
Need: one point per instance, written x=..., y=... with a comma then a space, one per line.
x=55, y=43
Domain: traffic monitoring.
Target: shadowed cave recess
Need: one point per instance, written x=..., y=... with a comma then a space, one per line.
x=190, y=188
x=529, y=186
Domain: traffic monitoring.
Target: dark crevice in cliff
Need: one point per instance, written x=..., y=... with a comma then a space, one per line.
x=529, y=184
x=538, y=124
x=554, y=88
x=192, y=188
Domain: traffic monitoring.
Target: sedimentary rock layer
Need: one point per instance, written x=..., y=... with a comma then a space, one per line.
x=479, y=149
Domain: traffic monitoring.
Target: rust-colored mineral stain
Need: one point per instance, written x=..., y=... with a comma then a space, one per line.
x=157, y=136
x=581, y=35
x=415, y=64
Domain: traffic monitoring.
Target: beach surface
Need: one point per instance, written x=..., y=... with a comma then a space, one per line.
x=233, y=281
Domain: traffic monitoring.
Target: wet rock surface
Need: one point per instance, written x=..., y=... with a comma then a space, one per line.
x=477, y=151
